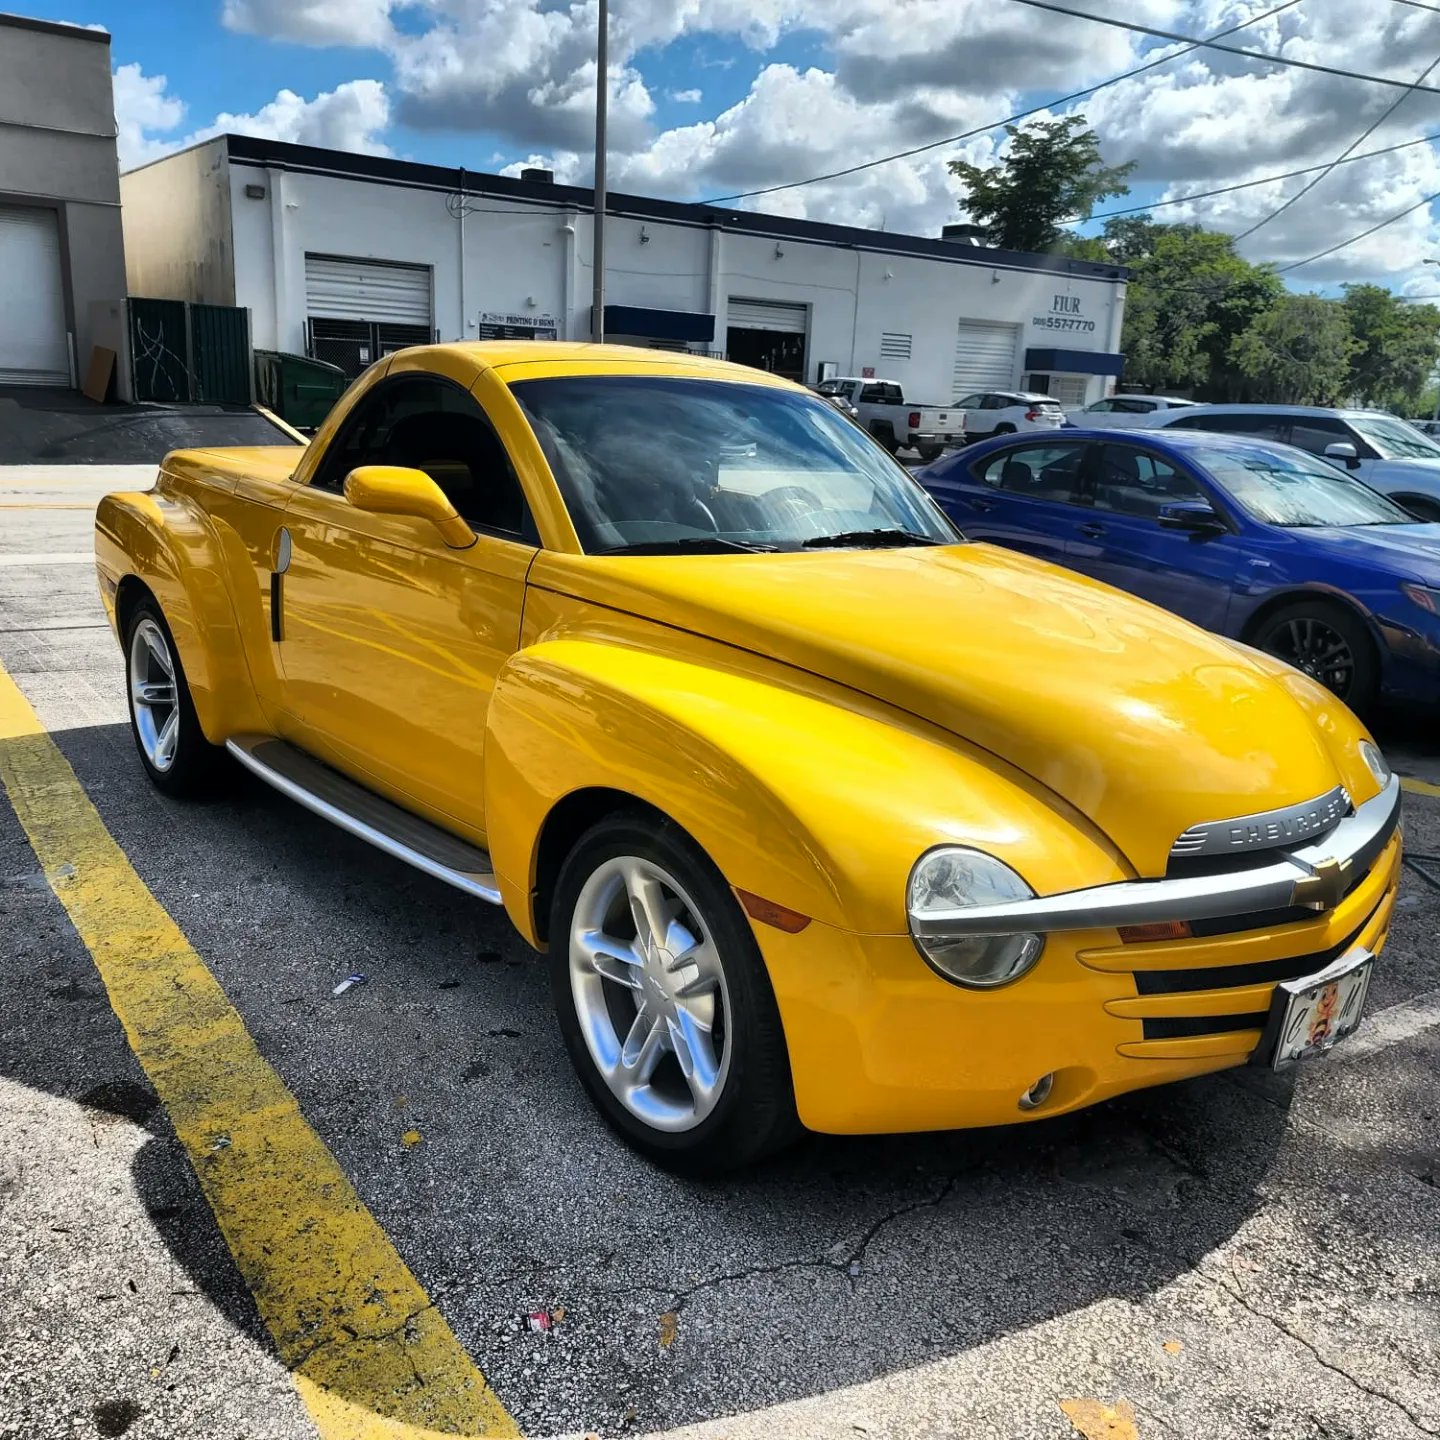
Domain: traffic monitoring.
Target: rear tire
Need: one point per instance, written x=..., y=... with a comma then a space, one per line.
x=685, y=1059
x=928, y=453
x=1003, y=430
x=173, y=749
x=1327, y=642
x=887, y=439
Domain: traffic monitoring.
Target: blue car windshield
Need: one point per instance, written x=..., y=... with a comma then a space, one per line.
x=1295, y=489
x=650, y=463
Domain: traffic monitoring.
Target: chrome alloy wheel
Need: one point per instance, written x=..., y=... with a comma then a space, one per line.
x=153, y=699
x=650, y=993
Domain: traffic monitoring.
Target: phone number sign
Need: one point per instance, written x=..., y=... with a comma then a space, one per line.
x=1064, y=315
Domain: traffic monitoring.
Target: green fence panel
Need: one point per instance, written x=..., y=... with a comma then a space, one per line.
x=220, y=354
x=158, y=344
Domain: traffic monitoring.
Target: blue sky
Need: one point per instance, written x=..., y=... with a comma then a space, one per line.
x=714, y=97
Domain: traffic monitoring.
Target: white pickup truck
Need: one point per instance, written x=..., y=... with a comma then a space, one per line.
x=896, y=422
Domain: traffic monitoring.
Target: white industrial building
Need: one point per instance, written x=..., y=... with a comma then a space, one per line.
x=349, y=256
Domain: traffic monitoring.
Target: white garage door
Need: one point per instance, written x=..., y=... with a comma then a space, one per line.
x=383, y=294
x=778, y=315
x=984, y=357
x=34, y=349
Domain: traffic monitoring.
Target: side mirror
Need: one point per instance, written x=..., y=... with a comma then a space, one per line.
x=1196, y=516
x=395, y=490
x=1344, y=450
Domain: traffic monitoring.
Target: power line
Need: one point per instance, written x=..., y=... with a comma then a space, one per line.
x=1344, y=154
x=1248, y=184
x=1363, y=235
x=1213, y=44
x=1008, y=120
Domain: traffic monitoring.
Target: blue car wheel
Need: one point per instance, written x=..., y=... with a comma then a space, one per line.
x=1329, y=644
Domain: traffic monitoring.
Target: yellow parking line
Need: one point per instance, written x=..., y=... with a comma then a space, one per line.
x=1418, y=787
x=371, y=1357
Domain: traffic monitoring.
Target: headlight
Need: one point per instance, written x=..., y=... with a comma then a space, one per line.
x=954, y=878
x=1424, y=596
x=1375, y=762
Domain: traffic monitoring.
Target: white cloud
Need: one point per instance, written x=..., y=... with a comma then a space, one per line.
x=143, y=109
x=311, y=22
x=686, y=97
x=353, y=116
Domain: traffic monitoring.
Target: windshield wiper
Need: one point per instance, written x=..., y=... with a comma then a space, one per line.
x=876, y=539
x=703, y=544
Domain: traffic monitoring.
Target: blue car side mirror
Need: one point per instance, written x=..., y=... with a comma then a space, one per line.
x=1197, y=516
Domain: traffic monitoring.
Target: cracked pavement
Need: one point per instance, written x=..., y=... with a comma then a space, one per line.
x=1244, y=1255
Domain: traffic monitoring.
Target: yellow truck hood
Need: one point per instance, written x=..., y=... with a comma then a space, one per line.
x=1145, y=723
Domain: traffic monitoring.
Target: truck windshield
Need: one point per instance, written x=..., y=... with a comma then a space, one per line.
x=1293, y=489
x=653, y=464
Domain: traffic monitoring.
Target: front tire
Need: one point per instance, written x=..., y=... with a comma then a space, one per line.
x=173, y=749
x=1330, y=644
x=664, y=1002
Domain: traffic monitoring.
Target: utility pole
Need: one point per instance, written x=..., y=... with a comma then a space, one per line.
x=602, y=86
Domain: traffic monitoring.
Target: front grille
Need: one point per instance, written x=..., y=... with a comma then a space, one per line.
x=1184, y=1027
x=1226, y=977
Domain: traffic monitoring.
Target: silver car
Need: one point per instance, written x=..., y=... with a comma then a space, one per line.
x=1388, y=453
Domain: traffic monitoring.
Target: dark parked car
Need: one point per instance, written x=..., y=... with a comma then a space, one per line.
x=1258, y=541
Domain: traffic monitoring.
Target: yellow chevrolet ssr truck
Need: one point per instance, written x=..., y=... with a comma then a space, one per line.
x=823, y=816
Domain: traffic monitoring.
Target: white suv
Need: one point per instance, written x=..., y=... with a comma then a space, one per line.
x=1385, y=452
x=1121, y=411
x=1007, y=412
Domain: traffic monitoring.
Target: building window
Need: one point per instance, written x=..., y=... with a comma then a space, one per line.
x=894, y=345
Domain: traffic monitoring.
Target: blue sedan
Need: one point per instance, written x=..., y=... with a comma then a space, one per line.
x=1258, y=541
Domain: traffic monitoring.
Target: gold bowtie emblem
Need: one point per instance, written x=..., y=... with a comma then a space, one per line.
x=1324, y=887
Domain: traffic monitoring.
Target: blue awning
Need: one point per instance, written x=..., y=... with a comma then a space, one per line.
x=1075, y=362
x=688, y=325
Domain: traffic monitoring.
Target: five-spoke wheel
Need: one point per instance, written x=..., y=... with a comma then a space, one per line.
x=664, y=1000
x=177, y=756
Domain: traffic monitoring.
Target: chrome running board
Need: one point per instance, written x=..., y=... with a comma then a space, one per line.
x=364, y=814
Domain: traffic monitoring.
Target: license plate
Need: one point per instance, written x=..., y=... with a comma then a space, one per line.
x=1313, y=1014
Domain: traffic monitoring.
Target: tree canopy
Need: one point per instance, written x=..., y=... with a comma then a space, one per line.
x=1051, y=171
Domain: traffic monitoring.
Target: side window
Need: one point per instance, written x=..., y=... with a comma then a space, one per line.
x=872, y=395
x=1315, y=432
x=1129, y=481
x=428, y=424
x=993, y=402
x=970, y=402
x=1100, y=407
x=894, y=395
x=1258, y=427
x=1038, y=472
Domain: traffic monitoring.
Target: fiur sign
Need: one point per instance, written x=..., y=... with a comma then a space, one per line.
x=1064, y=315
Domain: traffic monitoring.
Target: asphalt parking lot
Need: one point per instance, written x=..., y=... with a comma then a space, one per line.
x=1239, y=1256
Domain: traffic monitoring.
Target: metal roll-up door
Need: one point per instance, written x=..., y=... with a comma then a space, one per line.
x=371, y=290
x=34, y=346
x=985, y=357
x=775, y=315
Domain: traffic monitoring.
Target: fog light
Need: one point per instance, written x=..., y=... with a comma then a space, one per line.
x=1038, y=1093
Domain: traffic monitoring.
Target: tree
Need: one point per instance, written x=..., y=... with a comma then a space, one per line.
x=1297, y=352
x=1189, y=299
x=1397, y=347
x=1051, y=171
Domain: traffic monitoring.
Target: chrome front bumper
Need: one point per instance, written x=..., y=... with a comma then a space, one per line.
x=1316, y=876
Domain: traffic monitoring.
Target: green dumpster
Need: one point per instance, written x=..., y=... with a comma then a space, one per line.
x=301, y=391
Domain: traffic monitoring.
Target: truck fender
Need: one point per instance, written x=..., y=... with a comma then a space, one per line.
x=816, y=806
x=169, y=545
